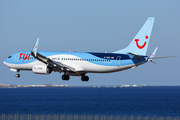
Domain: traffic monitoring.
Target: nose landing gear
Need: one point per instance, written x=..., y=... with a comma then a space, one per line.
x=18, y=75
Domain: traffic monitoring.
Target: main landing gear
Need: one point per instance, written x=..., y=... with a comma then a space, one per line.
x=18, y=75
x=84, y=78
x=65, y=77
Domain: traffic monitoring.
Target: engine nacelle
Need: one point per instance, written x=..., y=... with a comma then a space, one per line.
x=41, y=69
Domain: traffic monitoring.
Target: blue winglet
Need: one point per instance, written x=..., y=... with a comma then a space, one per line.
x=153, y=54
x=34, y=50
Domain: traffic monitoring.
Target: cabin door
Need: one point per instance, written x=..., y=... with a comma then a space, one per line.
x=118, y=61
x=16, y=58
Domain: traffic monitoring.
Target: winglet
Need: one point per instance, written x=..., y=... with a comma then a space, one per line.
x=153, y=54
x=34, y=50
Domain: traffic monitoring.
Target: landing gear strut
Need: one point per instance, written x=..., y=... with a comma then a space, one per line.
x=17, y=75
x=84, y=78
x=65, y=77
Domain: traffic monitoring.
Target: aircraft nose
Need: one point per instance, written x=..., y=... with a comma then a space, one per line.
x=5, y=63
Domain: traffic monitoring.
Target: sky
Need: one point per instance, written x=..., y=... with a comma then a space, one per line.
x=91, y=26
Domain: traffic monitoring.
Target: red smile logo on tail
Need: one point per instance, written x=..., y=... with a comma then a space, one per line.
x=141, y=47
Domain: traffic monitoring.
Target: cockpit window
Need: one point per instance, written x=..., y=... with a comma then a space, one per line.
x=9, y=56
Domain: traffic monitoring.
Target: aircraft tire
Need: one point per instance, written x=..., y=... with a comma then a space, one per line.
x=63, y=77
x=85, y=78
x=67, y=77
x=17, y=75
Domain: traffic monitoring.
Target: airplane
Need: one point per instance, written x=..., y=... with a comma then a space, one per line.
x=81, y=63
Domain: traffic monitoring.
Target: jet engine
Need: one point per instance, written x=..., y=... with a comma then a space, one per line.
x=41, y=69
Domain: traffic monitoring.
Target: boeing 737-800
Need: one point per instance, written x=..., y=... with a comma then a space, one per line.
x=80, y=63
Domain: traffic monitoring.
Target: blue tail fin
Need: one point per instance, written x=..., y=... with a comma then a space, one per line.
x=140, y=42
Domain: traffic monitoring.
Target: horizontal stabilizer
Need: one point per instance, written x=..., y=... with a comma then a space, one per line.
x=153, y=56
x=162, y=57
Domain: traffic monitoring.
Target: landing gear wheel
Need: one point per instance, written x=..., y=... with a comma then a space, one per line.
x=17, y=75
x=85, y=78
x=65, y=77
x=82, y=78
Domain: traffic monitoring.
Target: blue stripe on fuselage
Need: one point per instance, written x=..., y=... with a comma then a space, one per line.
x=111, y=56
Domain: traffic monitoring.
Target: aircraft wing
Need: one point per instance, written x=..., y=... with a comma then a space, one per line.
x=48, y=61
x=135, y=57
